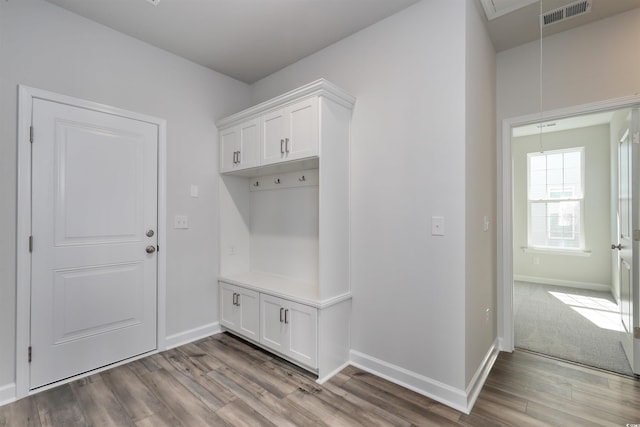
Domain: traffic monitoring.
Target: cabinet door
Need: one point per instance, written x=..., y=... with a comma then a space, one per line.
x=229, y=313
x=272, y=326
x=229, y=145
x=249, y=144
x=248, y=302
x=302, y=328
x=301, y=138
x=240, y=310
x=273, y=127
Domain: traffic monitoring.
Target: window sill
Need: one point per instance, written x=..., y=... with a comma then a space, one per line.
x=553, y=251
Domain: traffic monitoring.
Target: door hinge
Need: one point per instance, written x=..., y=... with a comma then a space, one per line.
x=636, y=333
x=158, y=248
x=30, y=243
x=30, y=354
x=31, y=134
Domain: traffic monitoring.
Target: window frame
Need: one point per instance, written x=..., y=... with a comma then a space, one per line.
x=529, y=202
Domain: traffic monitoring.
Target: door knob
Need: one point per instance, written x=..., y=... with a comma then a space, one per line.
x=151, y=249
x=618, y=246
x=150, y=233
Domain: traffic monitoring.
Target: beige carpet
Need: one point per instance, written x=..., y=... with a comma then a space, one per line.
x=572, y=324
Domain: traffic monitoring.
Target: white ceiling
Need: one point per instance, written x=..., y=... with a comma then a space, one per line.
x=250, y=39
x=522, y=25
x=244, y=39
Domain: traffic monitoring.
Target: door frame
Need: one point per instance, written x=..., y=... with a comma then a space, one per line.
x=505, y=204
x=26, y=95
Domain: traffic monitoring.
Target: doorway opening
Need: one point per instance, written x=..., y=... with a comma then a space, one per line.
x=565, y=204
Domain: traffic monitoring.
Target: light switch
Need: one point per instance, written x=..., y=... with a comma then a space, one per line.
x=437, y=226
x=194, y=190
x=181, y=221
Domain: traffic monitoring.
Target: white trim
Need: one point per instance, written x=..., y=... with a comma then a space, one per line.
x=332, y=374
x=556, y=251
x=492, y=13
x=601, y=287
x=480, y=377
x=23, y=263
x=191, y=335
x=7, y=393
x=505, y=204
x=443, y=393
x=320, y=87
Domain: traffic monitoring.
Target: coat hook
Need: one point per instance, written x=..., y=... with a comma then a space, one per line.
x=302, y=178
x=277, y=181
x=257, y=184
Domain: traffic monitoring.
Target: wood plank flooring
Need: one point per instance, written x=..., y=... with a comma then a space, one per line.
x=222, y=380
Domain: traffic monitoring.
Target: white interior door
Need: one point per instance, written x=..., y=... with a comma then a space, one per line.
x=629, y=220
x=94, y=227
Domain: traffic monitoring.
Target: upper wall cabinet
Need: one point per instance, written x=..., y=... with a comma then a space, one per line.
x=291, y=133
x=240, y=146
x=284, y=129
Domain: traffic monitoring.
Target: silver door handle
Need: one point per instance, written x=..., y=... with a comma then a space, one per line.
x=286, y=316
x=286, y=145
x=282, y=146
x=281, y=317
x=238, y=157
x=233, y=300
x=238, y=300
x=150, y=249
x=618, y=246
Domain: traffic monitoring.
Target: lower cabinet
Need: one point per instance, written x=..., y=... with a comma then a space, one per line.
x=285, y=327
x=290, y=329
x=240, y=310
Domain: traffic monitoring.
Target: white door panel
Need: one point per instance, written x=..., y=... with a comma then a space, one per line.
x=94, y=197
x=303, y=333
x=79, y=314
x=629, y=217
x=272, y=326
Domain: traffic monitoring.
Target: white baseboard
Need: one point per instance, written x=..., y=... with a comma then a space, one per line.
x=7, y=393
x=191, y=335
x=443, y=393
x=566, y=283
x=479, y=378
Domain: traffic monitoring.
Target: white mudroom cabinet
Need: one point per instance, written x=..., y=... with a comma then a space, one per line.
x=284, y=226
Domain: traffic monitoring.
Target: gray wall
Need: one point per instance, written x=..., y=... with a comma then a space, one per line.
x=410, y=155
x=595, y=269
x=46, y=47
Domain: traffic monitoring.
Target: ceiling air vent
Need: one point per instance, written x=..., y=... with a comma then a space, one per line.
x=570, y=10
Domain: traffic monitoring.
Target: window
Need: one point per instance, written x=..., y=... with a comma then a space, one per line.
x=555, y=194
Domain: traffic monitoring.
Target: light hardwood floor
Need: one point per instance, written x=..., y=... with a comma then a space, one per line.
x=222, y=380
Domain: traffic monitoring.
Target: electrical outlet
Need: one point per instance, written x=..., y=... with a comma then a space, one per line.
x=181, y=221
